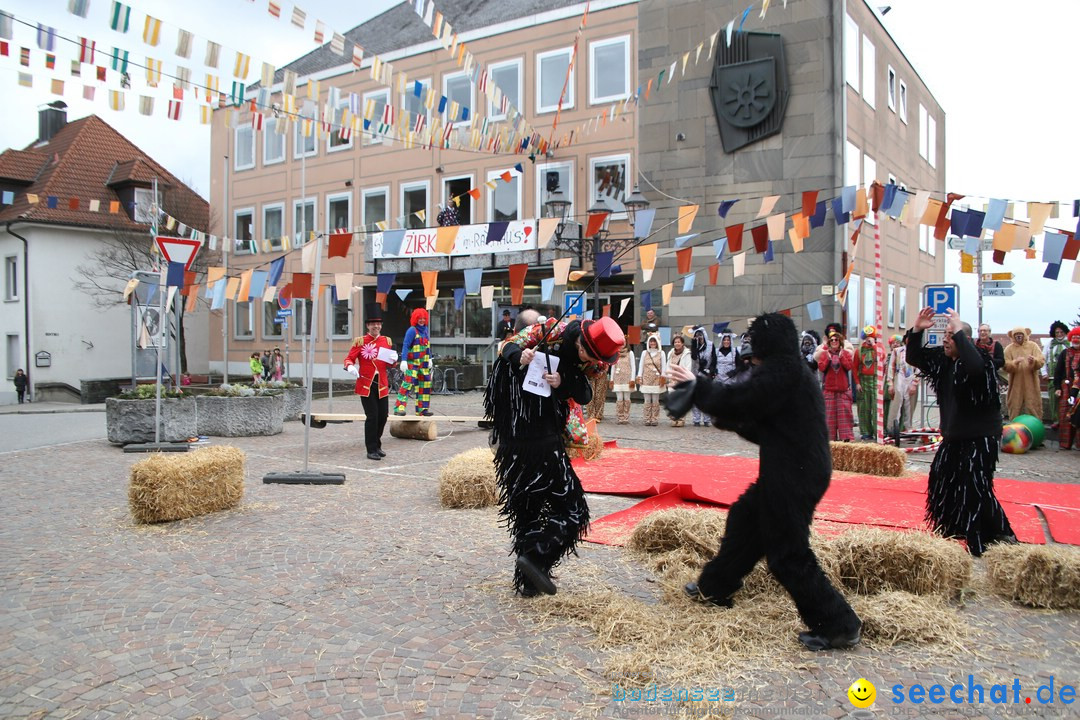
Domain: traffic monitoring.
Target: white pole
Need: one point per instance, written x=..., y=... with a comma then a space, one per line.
x=309, y=360
x=161, y=323
x=225, y=259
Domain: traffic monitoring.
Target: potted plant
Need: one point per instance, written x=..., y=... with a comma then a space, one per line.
x=239, y=410
x=129, y=417
x=295, y=396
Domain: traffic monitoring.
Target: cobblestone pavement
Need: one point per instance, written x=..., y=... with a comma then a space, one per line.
x=370, y=600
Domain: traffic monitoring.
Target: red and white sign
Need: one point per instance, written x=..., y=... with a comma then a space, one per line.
x=178, y=250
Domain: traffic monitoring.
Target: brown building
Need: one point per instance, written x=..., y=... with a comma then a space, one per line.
x=855, y=111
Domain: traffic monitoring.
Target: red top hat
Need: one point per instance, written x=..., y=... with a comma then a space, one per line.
x=602, y=338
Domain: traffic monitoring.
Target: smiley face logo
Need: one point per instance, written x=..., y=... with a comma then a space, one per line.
x=862, y=693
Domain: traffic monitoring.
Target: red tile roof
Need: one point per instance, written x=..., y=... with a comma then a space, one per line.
x=21, y=165
x=89, y=160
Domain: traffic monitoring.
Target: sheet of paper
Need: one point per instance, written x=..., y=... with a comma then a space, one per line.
x=534, y=376
x=387, y=355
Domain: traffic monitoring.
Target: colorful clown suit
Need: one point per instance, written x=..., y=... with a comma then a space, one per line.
x=417, y=365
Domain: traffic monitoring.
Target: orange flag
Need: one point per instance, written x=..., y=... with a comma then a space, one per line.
x=192, y=299
x=665, y=292
x=445, y=239
x=245, y=285
x=231, y=288
x=596, y=221
x=301, y=285
x=431, y=282
x=714, y=270
x=809, y=202
x=684, y=257
x=339, y=245
x=687, y=213
x=517, y=282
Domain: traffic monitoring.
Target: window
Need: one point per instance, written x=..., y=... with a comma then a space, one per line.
x=303, y=220
x=458, y=88
x=922, y=131
x=903, y=101
x=506, y=76
x=374, y=207
x=869, y=175
x=273, y=141
x=377, y=102
x=931, y=140
x=335, y=142
x=144, y=206
x=892, y=88
x=551, y=177
x=270, y=329
x=301, y=316
x=924, y=237
x=852, y=164
x=415, y=105
x=609, y=180
x=243, y=322
x=892, y=305
x=869, y=317
x=14, y=355
x=478, y=319
x=504, y=202
x=243, y=230
x=11, y=278
x=551, y=68
x=339, y=212
x=851, y=52
x=931, y=242
x=303, y=145
x=458, y=187
x=903, y=306
x=609, y=70
x=273, y=228
x=340, y=317
x=414, y=199
x=869, y=71
x=244, y=155
x=853, y=300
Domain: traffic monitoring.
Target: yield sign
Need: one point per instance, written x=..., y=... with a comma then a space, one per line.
x=178, y=250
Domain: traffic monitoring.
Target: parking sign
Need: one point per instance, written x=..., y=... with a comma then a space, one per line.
x=940, y=298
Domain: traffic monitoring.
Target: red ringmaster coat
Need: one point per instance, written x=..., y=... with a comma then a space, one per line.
x=364, y=354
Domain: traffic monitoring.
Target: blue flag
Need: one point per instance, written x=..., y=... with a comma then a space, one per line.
x=384, y=282
x=473, y=276
x=276, y=268
x=391, y=241
x=547, y=285
x=646, y=300
x=175, y=276
x=459, y=298
x=725, y=206
x=604, y=261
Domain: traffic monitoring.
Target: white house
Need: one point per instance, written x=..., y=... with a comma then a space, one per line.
x=68, y=195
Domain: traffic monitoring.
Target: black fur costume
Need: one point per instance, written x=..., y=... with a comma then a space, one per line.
x=778, y=406
x=540, y=495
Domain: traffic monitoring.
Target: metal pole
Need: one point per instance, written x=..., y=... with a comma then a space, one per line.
x=330, y=367
x=225, y=260
x=310, y=357
x=979, y=287
x=161, y=324
x=596, y=270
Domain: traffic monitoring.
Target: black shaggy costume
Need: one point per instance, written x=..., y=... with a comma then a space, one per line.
x=540, y=495
x=960, y=500
x=778, y=406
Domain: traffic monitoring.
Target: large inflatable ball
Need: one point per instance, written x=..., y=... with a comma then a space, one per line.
x=1015, y=439
x=1035, y=425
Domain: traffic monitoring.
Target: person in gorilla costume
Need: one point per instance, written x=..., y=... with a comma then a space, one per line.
x=778, y=406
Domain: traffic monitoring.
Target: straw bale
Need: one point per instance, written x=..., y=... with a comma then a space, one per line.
x=174, y=486
x=1042, y=576
x=872, y=560
x=467, y=480
x=896, y=617
x=697, y=530
x=868, y=458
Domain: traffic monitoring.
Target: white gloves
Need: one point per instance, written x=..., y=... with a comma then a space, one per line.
x=353, y=370
x=404, y=366
x=394, y=356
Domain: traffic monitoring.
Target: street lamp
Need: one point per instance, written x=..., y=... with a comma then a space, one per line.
x=558, y=206
x=635, y=202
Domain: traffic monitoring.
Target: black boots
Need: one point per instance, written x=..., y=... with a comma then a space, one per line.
x=695, y=594
x=538, y=579
x=831, y=641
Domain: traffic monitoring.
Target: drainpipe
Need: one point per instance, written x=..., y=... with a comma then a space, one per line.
x=26, y=304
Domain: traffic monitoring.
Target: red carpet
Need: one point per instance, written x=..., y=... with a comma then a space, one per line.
x=678, y=479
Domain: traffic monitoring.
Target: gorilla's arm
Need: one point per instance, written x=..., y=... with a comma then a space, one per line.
x=761, y=395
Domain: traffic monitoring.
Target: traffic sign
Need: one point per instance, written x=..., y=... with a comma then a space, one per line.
x=998, y=292
x=997, y=276
x=284, y=313
x=959, y=243
x=997, y=284
x=178, y=250
x=941, y=297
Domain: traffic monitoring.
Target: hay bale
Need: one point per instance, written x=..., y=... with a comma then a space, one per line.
x=868, y=458
x=679, y=528
x=174, y=486
x=872, y=560
x=1042, y=576
x=467, y=480
x=899, y=617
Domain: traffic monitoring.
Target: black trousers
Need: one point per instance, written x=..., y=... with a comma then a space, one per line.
x=757, y=527
x=376, y=409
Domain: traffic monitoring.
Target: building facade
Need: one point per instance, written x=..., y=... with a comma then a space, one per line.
x=856, y=110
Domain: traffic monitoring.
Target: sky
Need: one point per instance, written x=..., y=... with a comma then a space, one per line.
x=1004, y=73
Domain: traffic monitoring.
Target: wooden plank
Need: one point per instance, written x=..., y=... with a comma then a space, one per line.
x=351, y=417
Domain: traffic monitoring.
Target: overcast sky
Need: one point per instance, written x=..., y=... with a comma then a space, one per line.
x=1004, y=72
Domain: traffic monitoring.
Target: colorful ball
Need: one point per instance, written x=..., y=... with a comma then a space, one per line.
x=1035, y=425
x=1015, y=439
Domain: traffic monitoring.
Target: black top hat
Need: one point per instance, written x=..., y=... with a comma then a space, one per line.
x=372, y=312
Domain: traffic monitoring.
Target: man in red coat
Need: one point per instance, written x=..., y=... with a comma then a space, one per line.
x=367, y=361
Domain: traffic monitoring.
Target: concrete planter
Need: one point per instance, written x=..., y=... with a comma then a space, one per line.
x=295, y=401
x=240, y=416
x=132, y=421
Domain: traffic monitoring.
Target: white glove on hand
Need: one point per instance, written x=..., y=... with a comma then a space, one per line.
x=404, y=366
x=353, y=370
x=393, y=356
x=428, y=364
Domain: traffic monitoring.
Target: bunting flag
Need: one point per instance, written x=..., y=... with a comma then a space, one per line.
x=174, y=109
x=242, y=65
x=86, y=50
x=151, y=31
x=146, y=105
x=339, y=245
x=213, y=54
x=116, y=100
x=517, y=282
x=274, y=8
x=687, y=213
x=561, y=270
x=46, y=37
x=183, y=44
x=120, y=60
x=153, y=72
x=299, y=17
x=79, y=7
x=430, y=280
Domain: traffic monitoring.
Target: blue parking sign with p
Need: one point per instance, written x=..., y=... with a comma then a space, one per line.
x=941, y=298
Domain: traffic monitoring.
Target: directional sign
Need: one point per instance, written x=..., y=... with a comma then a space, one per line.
x=997, y=276
x=284, y=313
x=959, y=243
x=1001, y=284
x=998, y=292
x=178, y=250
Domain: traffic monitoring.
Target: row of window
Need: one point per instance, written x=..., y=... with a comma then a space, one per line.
x=861, y=302
x=609, y=81
x=866, y=83
x=504, y=203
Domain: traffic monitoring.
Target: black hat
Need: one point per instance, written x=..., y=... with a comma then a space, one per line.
x=372, y=312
